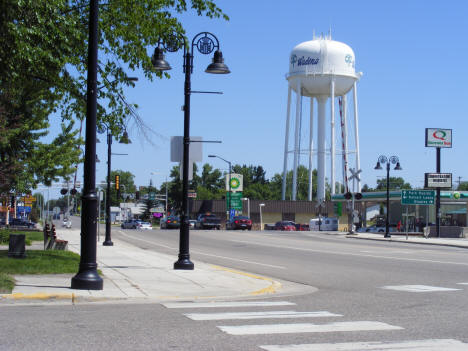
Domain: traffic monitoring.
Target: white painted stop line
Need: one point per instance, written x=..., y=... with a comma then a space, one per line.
x=306, y=328
x=258, y=315
x=227, y=304
x=416, y=345
x=417, y=288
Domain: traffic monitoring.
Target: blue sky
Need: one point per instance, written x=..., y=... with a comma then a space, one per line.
x=412, y=54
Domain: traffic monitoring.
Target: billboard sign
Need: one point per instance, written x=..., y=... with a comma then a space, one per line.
x=438, y=137
x=438, y=180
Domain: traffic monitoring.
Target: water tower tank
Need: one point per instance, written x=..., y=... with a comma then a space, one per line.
x=315, y=61
x=321, y=69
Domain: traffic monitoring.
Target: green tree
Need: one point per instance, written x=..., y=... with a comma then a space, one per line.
x=127, y=186
x=302, y=184
x=395, y=183
x=43, y=64
x=463, y=186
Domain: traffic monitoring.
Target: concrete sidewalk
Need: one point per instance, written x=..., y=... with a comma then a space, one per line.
x=414, y=239
x=132, y=274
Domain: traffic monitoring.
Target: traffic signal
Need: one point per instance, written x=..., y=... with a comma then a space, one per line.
x=137, y=195
x=73, y=191
x=117, y=182
x=63, y=191
x=12, y=200
x=348, y=195
x=358, y=196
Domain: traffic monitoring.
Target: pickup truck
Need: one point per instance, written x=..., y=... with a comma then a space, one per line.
x=208, y=221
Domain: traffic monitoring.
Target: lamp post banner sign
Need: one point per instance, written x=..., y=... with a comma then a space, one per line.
x=237, y=182
x=438, y=137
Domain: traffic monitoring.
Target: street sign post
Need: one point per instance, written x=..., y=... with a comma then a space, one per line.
x=417, y=197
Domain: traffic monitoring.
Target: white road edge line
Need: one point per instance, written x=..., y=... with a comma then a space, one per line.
x=348, y=253
x=205, y=254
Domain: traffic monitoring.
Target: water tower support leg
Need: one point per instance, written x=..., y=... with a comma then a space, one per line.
x=345, y=142
x=296, y=138
x=286, y=144
x=332, y=137
x=311, y=144
x=322, y=101
x=356, y=133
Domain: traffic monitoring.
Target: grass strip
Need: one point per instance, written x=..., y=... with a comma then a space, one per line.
x=35, y=262
x=7, y=283
x=40, y=262
x=30, y=236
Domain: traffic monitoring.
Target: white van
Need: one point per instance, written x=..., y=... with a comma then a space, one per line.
x=328, y=223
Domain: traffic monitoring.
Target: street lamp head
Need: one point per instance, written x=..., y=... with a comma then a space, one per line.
x=378, y=166
x=398, y=167
x=261, y=205
x=158, y=61
x=217, y=66
x=124, y=139
x=211, y=155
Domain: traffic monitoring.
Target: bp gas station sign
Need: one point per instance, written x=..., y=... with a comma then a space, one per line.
x=236, y=181
x=236, y=201
x=235, y=184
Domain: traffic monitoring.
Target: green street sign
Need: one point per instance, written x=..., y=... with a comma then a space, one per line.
x=417, y=197
x=236, y=201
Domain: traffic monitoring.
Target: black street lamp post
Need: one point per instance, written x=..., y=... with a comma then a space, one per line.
x=394, y=160
x=205, y=43
x=87, y=277
x=229, y=194
x=123, y=140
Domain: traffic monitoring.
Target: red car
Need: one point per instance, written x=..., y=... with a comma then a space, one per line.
x=285, y=225
x=239, y=222
x=302, y=227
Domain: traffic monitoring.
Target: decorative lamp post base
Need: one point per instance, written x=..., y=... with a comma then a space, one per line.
x=184, y=263
x=87, y=280
x=108, y=243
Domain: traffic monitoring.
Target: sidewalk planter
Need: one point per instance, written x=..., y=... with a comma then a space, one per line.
x=17, y=246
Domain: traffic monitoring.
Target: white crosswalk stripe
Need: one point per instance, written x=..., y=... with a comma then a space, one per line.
x=330, y=327
x=414, y=345
x=418, y=288
x=306, y=328
x=462, y=283
x=258, y=315
x=227, y=304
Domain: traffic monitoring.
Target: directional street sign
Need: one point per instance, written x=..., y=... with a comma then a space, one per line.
x=417, y=197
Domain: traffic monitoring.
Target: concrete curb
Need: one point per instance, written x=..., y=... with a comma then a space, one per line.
x=355, y=236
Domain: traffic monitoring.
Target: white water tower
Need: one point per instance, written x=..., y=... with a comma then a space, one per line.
x=321, y=69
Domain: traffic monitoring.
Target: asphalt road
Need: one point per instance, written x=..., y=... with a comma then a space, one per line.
x=358, y=281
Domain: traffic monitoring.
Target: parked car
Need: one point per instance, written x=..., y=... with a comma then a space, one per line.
x=144, y=226
x=285, y=225
x=130, y=224
x=208, y=221
x=170, y=222
x=192, y=223
x=302, y=227
x=239, y=222
x=18, y=222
